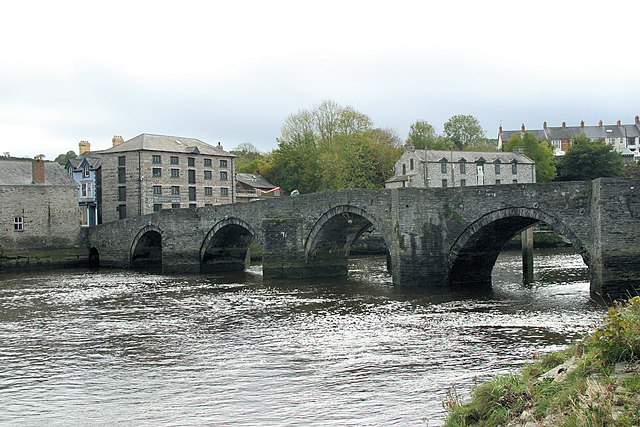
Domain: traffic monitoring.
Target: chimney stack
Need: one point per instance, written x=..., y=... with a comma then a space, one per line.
x=618, y=123
x=522, y=128
x=564, y=124
x=637, y=120
x=84, y=147
x=600, y=123
x=37, y=170
x=544, y=125
x=117, y=140
x=582, y=123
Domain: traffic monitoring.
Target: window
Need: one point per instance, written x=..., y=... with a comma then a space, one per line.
x=157, y=172
x=208, y=191
x=497, y=181
x=175, y=205
x=443, y=166
x=463, y=183
x=122, y=176
x=191, y=161
x=514, y=167
x=207, y=175
x=122, y=211
x=18, y=223
x=224, y=191
x=444, y=183
x=192, y=176
x=175, y=190
x=87, y=189
x=411, y=164
x=192, y=205
x=515, y=181
x=122, y=161
x=122, y=194
x=85, y=171
x=175, y=173
x=156, y=159
x=207, y=162
x=192, y=194
x=174, y=160
x=157, y=190
x=404, y=169
x=497, y=167
x=157, y=207
x=463, y=166
x=223, y=163
x=223, y=175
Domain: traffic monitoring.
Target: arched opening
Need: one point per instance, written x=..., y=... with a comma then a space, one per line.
x=335, y=234
x=146, y=253
x=229, y=246
x=474, y=255
x=94, y=258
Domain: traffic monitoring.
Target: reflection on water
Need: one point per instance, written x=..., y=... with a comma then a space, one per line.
x=129, y=348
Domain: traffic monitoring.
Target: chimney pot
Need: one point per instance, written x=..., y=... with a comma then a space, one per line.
x=618, y=123
x=37, y=170
x=637, y=119
x=544, y=125
x=581, y=123
x=564, y=124
x=117, y=140
x=600, y=123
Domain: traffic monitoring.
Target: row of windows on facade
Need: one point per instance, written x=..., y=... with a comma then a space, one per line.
x=175, y=160
x=175, y=191
x=175, y=173
x=463, y=166
x=480, y=181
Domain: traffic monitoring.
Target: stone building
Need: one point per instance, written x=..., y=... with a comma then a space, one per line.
x=620, y=136
x=152, y=172
x=38, y=206
x=435, y=168
x=86, y=171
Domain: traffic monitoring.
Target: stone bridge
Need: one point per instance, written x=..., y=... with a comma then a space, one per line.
x=434, y=237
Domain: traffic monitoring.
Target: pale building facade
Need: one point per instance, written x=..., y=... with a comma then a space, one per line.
x=152, y=172
x=436, y=168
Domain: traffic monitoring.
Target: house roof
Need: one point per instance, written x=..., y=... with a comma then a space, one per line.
x=172, y=144
x=471, y=156
x=254, y=180
x=78, y=162
x=19, y=172
x=551, y=133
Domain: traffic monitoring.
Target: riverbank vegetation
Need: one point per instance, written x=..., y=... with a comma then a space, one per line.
x=595, y=382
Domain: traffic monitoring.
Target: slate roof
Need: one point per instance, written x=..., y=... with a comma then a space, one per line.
x=166, y=143
x=471, y=156
x=567, y=132
x=19, y=172
x=254, y=180
x=76, y=163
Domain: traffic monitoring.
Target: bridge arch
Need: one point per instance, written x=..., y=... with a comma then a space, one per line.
x=330, y=239
x=474, y=253
x=146, y=248
x=226, y=245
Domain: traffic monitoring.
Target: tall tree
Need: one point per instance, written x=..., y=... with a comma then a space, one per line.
x=422, y=135
x=586, y=160
x=540, y=152
x=248, y=158
x=463, y=130
x=63, y=158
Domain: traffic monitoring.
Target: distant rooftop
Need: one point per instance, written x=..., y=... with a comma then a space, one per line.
x=166, y=143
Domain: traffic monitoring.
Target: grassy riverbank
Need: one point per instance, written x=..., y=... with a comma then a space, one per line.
x=595, y=382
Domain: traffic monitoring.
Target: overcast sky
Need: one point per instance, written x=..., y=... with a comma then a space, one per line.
x=233, y=71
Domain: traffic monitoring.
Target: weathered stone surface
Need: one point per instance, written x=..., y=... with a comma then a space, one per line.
x=434, y=237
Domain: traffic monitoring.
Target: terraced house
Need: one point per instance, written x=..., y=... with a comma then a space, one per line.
x=152, y=172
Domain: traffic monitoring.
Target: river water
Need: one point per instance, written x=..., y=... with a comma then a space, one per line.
x=126, y=348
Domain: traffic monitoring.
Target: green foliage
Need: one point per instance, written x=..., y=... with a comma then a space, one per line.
x=463, y=130
x=423, y=136
x=589, y=395
x=587, y=160
x=63, y=158
x=248, y=158
x=540, y=152
x=331, y=147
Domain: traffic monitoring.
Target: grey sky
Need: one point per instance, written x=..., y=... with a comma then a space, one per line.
x=233, y=71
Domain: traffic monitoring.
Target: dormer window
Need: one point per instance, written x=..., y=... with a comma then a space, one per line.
x=443, y=165
x=85, y=171
x=497, y=165
x=514, y=167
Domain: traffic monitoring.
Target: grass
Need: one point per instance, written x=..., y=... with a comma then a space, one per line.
x=590, y=393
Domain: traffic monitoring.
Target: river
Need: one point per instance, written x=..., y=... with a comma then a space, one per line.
x=124, y=348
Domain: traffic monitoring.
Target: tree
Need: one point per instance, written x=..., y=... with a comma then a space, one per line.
x=248, y=158
x=463, y=130
x=422, y=135
x=63, y=158
x=586, y=160
x=540, y=152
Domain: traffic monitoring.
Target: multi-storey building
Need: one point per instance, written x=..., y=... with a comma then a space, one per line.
x=152, y=172
x=625, y=138
x=86, y=171
x=38, y=206
x=253, y=186
x=435, y=168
